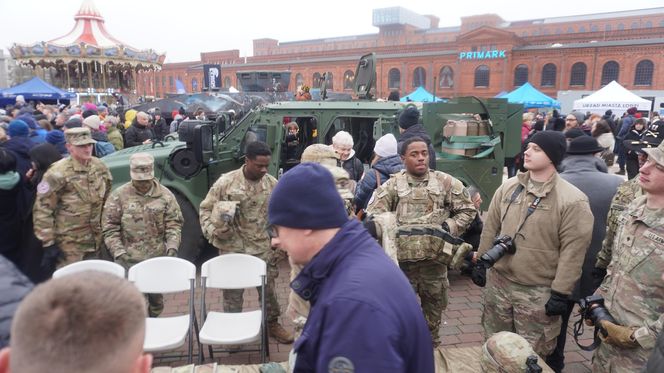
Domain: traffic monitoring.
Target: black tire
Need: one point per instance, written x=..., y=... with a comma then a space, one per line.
x=192, y=241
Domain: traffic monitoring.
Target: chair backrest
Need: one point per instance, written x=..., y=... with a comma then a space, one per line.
x=91, y=265
x=233, y=271
x=164, y=274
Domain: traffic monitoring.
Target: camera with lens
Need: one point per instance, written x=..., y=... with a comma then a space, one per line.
x=592, y=308
x=501, y=246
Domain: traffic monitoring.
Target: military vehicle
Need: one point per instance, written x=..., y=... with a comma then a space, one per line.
x=190, y=164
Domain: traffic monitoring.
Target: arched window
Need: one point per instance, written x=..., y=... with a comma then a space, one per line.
x=582, y=29
x=520, y=75
x=648, y=24
x=349, y=79
x=610, y=72
x=549, y=75
x=419, y=77
x=482, y=74
x=621, y=27
x=315, y=83
x=394, y=79
x=594, y=28
x=643, y=74
x=299, y=80
x=570, y=30
x=227, y=82
x=329, y=81
x=194, y=85
x=607, y=27
x=446, y=78
x=578, y=75
x=634, y=25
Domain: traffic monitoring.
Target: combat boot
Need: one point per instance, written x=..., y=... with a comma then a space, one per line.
x=281, y=335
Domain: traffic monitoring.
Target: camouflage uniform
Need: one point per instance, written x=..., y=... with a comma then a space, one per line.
x=233, y=218
x=632, y=289
x=69, y=201
x=626, y=194
x=508, y=352
x=298, y=308
x=425, y=202
x=140, y=226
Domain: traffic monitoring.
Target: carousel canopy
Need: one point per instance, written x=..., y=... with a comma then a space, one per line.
x=88, y=41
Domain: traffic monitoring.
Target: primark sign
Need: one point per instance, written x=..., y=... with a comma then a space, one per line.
x=483, y=55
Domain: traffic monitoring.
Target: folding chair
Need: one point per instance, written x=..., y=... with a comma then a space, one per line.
x=233, y=271
x=91, y=265
x=167, y=275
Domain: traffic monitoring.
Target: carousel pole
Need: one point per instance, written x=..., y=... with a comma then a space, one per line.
x=103, y=76
x=90, y=83
x=68, y=80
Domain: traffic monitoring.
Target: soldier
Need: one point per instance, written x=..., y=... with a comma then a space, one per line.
x=142, y=220
x=632, y=289
x=547, y=219
x=233, y=218
x=69, y=201
x=425, y=201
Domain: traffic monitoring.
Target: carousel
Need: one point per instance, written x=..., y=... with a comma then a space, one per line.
x=88, y=61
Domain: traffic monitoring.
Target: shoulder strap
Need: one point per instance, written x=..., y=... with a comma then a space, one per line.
x=377, y=178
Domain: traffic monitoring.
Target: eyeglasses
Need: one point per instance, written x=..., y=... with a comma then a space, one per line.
x=651, y=161
x=570, y=119
x=272, y=231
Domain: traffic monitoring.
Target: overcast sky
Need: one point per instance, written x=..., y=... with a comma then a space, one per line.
x=183, y=29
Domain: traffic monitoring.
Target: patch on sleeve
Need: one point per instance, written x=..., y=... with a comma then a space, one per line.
x=43, y=187
x=340, y=364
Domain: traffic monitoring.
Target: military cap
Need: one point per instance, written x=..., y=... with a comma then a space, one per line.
x=656, y=154
x=141, y=166
x=321, y=154
x=507, y=352
x=79, y=136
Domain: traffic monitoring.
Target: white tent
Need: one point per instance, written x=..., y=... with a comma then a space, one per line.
x=612, y=97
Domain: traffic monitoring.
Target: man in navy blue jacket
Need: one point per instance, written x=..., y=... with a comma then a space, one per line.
x=364, y=314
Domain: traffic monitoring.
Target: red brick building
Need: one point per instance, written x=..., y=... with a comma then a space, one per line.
x=483, y=56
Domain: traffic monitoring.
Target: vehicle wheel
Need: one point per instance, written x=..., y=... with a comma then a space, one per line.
x=192, y=241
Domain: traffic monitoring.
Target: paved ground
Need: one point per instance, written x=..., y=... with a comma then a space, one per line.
x=461, y=324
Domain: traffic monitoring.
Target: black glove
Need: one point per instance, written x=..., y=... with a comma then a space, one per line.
x=52, y=255
x=556, y=305
x=370, y=226
x=479, y=273
x=598, y=275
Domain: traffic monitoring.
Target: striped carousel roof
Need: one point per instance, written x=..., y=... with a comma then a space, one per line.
x=89, y=29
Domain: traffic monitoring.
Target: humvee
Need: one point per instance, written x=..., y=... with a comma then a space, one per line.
x=188, y=164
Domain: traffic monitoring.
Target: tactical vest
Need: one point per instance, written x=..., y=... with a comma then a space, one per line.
x=419, y=212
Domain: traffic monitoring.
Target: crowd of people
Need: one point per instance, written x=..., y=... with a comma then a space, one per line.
x=541, y=247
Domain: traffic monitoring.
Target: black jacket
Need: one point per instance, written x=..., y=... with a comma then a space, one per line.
x=418, y=131
x=136, y=134
x=14, y=286
x=21, y=146
x=161, y=129
x=354, y=167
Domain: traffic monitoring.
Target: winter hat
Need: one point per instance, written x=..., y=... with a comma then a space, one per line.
x=583, y=145
x=631, y=111
x=89, y=113
x=580, y=117
x=93, y=122
x=18, y=128
x=157, y=111
x=29, y=120
x=386, y=146
x=574, y=133
x=73, y=122
x=553, y=144
x=409, y=117
x=306, y=197
x=55, y=137
x=608, y=113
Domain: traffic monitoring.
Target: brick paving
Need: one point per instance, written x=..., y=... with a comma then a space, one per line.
x=461, y=324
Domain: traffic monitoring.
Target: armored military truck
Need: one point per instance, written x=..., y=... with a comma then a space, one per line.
x=471, y=136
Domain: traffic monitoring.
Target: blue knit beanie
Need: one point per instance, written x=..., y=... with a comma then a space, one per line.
x=306, y=197
x=18, y=128
x=55, y=137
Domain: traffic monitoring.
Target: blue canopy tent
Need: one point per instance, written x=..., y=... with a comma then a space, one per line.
x=420, y=95
x=530, y=97
x=37, y=90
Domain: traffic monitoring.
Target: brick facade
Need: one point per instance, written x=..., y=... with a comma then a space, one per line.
x=547, y=48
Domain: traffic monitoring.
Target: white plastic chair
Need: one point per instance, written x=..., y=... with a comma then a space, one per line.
x=233, y=271
x=91, y=265
x=166, y=275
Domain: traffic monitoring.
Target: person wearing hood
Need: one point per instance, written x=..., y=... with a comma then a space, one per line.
x=20, y=144
x=161, y=129
x=175, y=124
x=113, y=133
x=103, y=147
x=140, y=132
x=11, y=207
x=409, y=127
x=342, y=143
x=600, y=188
x=386, y=162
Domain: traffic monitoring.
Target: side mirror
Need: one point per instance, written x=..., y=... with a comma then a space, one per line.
x=203, y=146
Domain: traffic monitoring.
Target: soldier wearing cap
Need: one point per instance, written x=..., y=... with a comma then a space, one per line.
x=142, y=220
x=233, y=218
x=632, y=289
x=69, y=201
